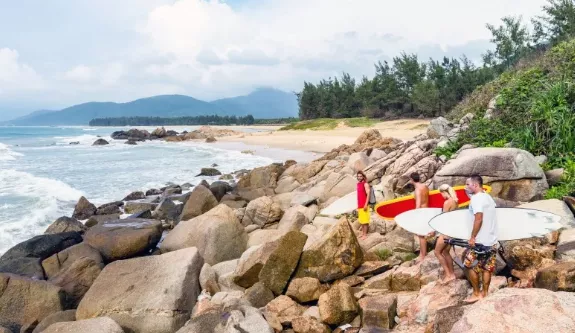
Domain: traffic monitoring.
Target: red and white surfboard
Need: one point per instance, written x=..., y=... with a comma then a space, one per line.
x=390, y=209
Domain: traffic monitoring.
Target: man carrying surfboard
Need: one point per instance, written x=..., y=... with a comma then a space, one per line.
x=483, y=234
x=363, y=191
x=421, y=194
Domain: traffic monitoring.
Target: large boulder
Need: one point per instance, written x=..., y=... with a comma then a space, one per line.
x=220, y=189
x=76, y=279
x=566, y=245
x=358, y=161
x=558, y=277
x=512, y=173
x=379, y=312
x=217, y=234
x=260, y=237
x=24, y=301
x=209, y=171
x=25, y=258
x=282, y=310
x=336, y=255
x=286, y=185
x=293, y=219
x=84, y=209
x=61, y=316
x=65, y=224
x=520, y=310
x=95, y=325
x=201, y=200
x=167, y=210
x=307, y=324
x=262, y=177
x=338, y=185
x=233, y=318
x=110, y=208
x=439, y=127
x=526, y=256
x=147, y=294
x=302, y=173
x=272, y=263
x=259, y=295
x=338, y=306
x=262, y=211
x=135, y=195
x=159, y=132
x=100, y=142
x=139, y=206
x=306, y=289
x=62, y=260
x=435, y=296
x=124, y=238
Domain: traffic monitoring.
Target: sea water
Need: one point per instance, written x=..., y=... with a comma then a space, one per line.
x=42, y=176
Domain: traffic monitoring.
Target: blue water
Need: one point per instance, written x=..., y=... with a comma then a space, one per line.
x=42, y=175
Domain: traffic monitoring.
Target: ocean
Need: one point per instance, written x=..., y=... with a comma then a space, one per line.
x=42, y=176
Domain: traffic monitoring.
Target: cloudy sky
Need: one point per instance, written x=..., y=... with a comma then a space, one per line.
x=58, y=53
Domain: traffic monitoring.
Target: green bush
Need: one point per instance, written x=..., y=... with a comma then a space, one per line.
x=567, y=185
x=383, y=253
x=535, y=111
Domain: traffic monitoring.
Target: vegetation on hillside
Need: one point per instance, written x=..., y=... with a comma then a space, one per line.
x=410, y=87
x=330, y=123
x=197, y=120
x=535, y=101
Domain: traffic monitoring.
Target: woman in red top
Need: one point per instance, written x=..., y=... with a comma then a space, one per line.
x=362, y=203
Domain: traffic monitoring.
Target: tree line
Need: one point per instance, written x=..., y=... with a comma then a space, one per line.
x=407, y=86
x=187, y=120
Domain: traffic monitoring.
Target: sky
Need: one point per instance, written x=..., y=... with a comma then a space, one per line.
x=58, y=53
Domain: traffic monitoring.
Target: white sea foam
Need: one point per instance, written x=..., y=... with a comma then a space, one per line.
x=6, y=153
x=46, y=182
x=82, y=139
x=33, y=201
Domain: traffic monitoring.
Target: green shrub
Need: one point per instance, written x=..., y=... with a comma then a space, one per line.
x=567, y=185
x=383, y=253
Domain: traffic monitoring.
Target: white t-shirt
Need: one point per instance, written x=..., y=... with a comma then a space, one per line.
x=482, y=202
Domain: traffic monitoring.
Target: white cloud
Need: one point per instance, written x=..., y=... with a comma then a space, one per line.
x=209, y=50
x=15, y=76
x=81, y=73
x=312, y=38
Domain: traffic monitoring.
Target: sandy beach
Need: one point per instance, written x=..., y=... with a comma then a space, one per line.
x=321, y=141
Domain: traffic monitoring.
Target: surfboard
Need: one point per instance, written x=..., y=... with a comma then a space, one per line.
x=346, y=204
x=413, y=220
x=512, y=223
x=390, y=209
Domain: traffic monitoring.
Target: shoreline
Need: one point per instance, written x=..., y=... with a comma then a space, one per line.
x=323, y=141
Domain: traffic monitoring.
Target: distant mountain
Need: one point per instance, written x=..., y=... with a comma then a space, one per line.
x=263, y=103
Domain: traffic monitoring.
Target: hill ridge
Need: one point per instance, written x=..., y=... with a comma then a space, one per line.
x=263, y=103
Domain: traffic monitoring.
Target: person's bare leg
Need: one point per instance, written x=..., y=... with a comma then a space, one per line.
x=486, y=282
x=474, y=280
x=450, y=272
x=364, y=229
x=439, y=246
x=422, y=248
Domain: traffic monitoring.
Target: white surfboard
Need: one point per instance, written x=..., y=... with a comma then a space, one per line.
x=512, y=223
x=346, y=204
x=417, y=221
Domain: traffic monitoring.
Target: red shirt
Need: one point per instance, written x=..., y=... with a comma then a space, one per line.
x=361, y=195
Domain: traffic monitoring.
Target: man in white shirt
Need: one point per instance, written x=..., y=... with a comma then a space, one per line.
x=484, y=233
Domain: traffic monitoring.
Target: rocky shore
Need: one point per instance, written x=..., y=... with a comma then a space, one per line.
x=133, y=136
x=249, y=253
